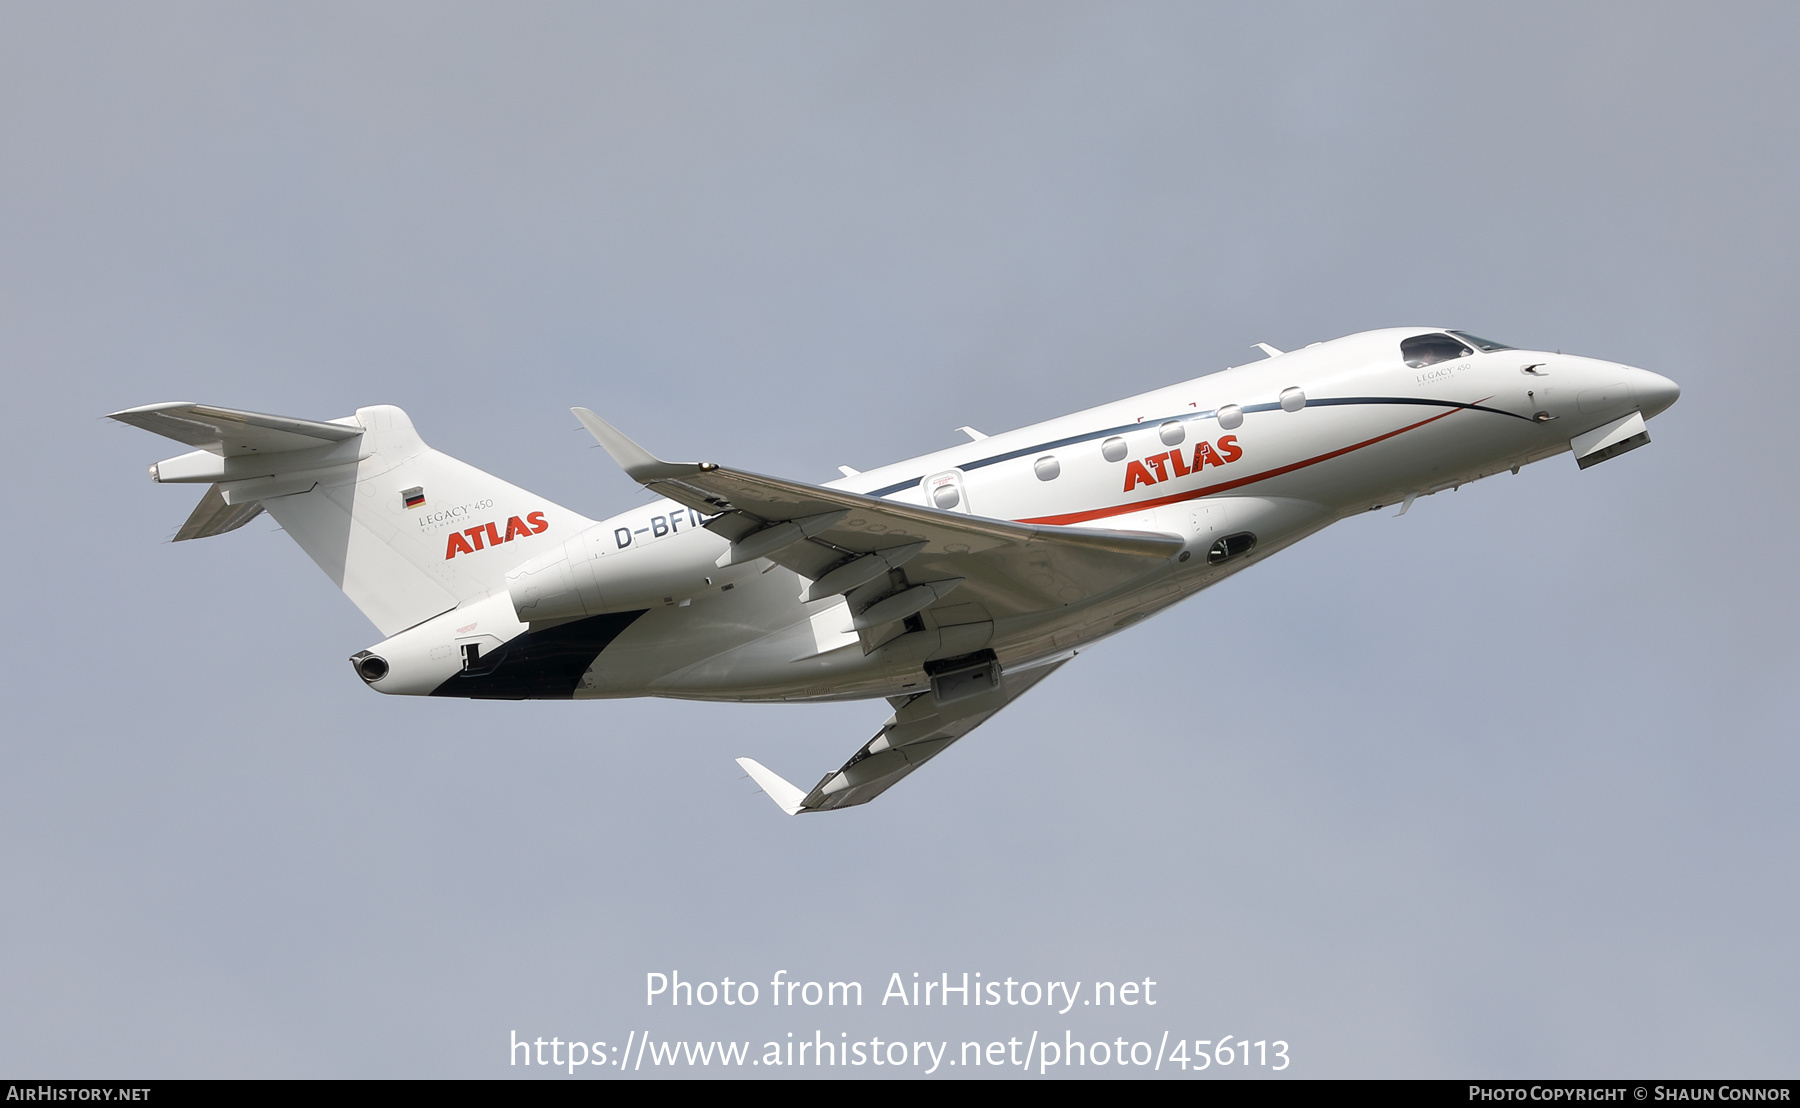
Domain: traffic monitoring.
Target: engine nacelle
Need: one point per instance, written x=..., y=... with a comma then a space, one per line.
x=590, y=576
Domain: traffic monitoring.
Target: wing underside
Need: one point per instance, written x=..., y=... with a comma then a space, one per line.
x=929, y=585
x=918, y=731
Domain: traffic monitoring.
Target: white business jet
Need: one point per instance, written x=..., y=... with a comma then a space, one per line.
x=949, y=584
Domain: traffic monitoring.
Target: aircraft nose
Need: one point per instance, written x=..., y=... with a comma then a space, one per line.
x=1654, y=392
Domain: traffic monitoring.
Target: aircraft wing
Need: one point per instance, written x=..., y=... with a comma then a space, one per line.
x=918, y=730
x=963, y=570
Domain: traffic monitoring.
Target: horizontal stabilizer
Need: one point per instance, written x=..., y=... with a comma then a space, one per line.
x=785, y=796
x=228, y=432
x=356, y=493
x=212, y=516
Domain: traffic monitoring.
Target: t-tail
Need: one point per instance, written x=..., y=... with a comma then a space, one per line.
x=407, y=532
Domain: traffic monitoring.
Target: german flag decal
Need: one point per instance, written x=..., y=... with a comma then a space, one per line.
x=414, y=497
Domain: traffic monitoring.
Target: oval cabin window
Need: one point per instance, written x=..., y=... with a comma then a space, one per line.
x=1171, y=433
x=1047, y=468
x=1113, y=449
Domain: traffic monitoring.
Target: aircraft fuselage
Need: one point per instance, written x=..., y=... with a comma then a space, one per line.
x=1239, y=464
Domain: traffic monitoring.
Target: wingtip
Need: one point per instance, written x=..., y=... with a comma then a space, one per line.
x=639, y=464
x=785, y=795
x=148, y=409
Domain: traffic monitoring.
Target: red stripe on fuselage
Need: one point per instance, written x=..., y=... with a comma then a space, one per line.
x=1176, y=498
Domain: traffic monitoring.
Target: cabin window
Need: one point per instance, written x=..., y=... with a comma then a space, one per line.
x=1172, y=432
x=1113, y=449
x=1292, y=400
x=1423, y=350
x=1231, y=417
x=946, y=496
x=1047, y=468
x=1231, y=546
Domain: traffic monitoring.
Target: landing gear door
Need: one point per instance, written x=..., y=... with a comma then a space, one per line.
x=945, y=490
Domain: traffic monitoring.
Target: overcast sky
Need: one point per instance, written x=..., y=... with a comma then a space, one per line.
x=1502, y=788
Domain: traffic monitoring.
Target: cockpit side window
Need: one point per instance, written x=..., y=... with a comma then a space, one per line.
x=1423, y=350
x=1486, y=346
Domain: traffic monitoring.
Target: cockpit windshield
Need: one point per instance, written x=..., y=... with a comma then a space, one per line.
x=1423, y=350
x=1486, y=346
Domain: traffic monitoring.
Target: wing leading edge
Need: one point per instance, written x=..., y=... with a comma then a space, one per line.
x=894, y=560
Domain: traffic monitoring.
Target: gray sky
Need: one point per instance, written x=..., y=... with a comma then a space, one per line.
x=1505, y=787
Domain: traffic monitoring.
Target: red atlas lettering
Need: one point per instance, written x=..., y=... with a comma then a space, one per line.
x=488, y=534
x=1178, y=464
x=1136, y=474
x=1156, y=462
x=1229, y=447
x=1204, y=456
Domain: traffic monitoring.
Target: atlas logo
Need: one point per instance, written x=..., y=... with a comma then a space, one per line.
x=1205, y=454
x=489, y=534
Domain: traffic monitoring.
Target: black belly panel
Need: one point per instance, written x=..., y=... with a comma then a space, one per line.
x=540, y=665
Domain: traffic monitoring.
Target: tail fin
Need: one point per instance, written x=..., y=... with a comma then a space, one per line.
x=405, y=531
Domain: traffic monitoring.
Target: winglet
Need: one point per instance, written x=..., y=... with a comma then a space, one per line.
x=1270, y=350
x=785, y=796
x=639, y=464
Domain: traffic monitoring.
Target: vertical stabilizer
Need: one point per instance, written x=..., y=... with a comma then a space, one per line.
x=405, y=531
